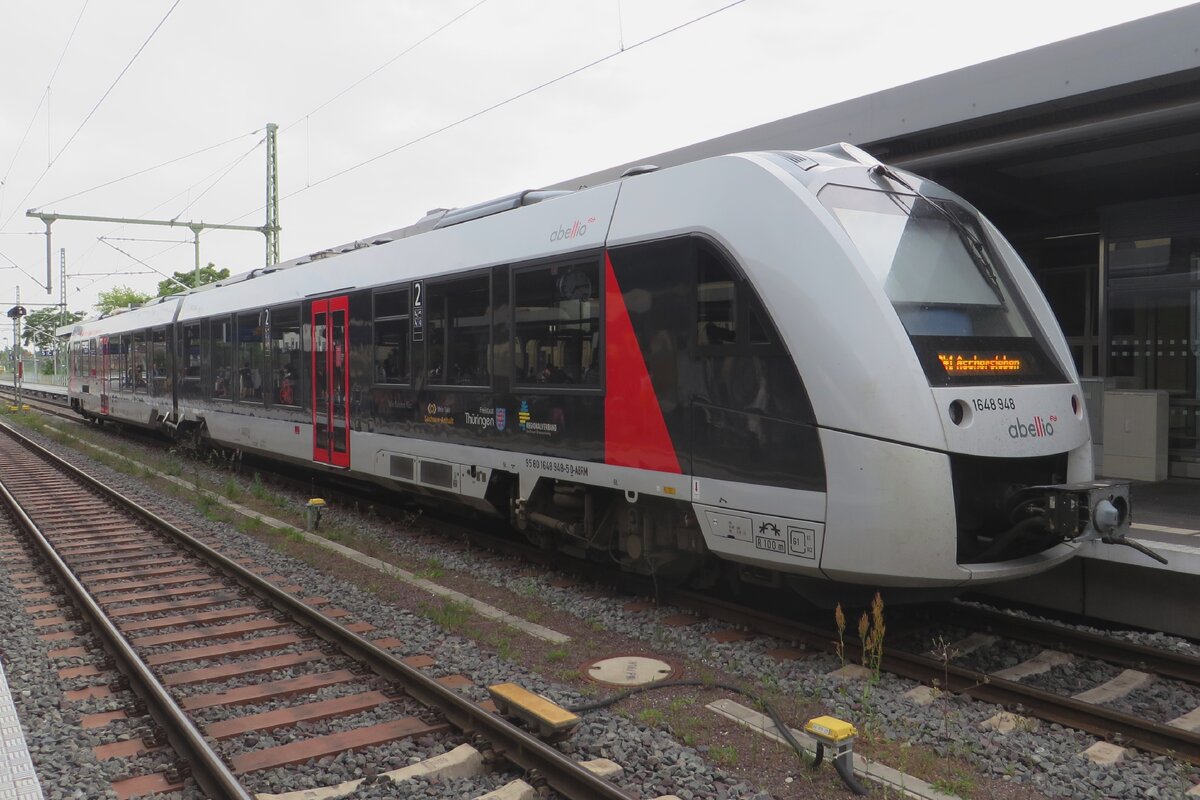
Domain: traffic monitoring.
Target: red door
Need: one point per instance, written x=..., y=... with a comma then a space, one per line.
x=331, y=381
x=102, y=377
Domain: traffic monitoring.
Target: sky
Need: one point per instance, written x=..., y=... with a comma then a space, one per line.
x=388, y=108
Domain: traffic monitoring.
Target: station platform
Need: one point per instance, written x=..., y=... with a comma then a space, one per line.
x=18, y=780
x=52, y=391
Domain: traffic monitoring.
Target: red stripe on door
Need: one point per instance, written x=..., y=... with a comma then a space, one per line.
x=635, y=433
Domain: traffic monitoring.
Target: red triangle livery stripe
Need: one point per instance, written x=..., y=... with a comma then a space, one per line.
x=635, y=433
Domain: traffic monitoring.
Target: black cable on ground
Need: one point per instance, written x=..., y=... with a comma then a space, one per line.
x=844, y=771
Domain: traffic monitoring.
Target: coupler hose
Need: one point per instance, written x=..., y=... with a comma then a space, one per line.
x=844, y=767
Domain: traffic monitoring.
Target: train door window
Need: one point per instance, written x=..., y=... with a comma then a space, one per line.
x=220, y=338
x=251, y=357
x=556, y=321
x=158, y=362
x=391, y=337
x=716, y=301
x=189, y=361
x=286, y=355
x=459, y=332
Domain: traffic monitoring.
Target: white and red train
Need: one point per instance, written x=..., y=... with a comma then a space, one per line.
x=801, y=367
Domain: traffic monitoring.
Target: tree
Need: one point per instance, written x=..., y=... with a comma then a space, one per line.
x=209, y=274
x=120, y=297
x=40, y=326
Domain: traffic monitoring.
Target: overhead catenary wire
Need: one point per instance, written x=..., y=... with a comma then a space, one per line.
x=45, y=95
x=160, y=165
x=225, y=168
x=96, y=107
x=497, y=105
x=144, y=264
x=223, y=175
x=304, y=118
x=384, y=65
x=15, y=265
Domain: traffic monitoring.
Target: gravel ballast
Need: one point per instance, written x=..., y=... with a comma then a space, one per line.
x=1041, y=757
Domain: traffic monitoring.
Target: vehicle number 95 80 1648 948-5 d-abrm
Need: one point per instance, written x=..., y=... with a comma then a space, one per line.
x=994, y=404
x=561, y=467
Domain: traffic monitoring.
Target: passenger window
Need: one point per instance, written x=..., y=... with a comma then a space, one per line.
x=118, y=356
x=135, y=376
x=716, y=301
x=286, y=354
x=189, y=362
x=391, y=337
x=158, y=362
x=459, y=332
x=251, y=357
x=557, y=324
x=220, y=354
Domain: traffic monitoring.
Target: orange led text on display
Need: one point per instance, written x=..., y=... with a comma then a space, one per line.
x=974, y=364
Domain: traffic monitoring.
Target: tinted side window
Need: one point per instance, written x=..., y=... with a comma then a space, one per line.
x=716, y=301
x=189, y=362
x=557, y=324
x=459, y=332
x=221, y=353
x=135, y=377
x=158, y=361
x=391, y=337
x=251, y=358
x=286, y=354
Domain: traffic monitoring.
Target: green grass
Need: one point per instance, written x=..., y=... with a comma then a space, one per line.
x=652, y=717
x=678, y=704
x=232, y=489
x=959, y=785
x=725, y=755
x=557, y=654
x=205, y=502
x=433, y=569
x=450, y=614
x=258, y=489
x=249, y=525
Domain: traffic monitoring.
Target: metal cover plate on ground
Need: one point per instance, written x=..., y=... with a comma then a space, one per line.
x=629, y=670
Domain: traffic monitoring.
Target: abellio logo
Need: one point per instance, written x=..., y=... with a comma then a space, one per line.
x=577, y=228
x=1039, y=427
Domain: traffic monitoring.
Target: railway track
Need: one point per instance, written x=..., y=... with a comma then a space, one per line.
x=201, y=639
x=932, y=670
x=1081, y=714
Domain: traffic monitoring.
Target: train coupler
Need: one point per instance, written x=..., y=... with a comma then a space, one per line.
x=1082, y=511
x=1096, y=510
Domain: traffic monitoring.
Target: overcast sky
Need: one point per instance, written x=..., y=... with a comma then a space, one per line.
x=217, y=71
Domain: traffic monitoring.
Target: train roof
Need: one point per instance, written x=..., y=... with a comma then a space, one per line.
x=503, y=229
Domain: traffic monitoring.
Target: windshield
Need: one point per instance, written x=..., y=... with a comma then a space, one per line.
x=951, y=292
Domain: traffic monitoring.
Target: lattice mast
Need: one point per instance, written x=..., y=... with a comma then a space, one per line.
x=271, y=228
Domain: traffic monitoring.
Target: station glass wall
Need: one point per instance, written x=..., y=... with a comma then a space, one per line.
x=1154, y=327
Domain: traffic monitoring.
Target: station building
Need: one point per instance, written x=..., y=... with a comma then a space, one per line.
x=1086, y=154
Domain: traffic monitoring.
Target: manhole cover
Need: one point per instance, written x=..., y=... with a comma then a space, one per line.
x=629, y=671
